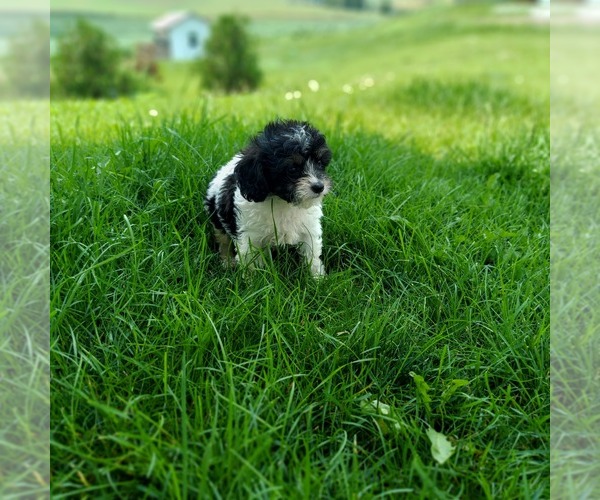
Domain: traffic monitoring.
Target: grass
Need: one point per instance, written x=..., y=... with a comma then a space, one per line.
x=173, y=377
x=575, y=297
x=24, y=300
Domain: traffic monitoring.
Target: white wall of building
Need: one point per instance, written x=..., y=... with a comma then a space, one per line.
x=187, y=39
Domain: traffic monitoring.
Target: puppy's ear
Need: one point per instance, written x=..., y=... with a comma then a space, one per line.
x=250, y=176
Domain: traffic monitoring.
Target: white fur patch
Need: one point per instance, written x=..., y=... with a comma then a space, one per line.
x=301, y=136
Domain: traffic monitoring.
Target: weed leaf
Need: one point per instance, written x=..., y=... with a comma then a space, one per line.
x=455, y=384
x=441, y=448
x=377, y=409
x=422, y=389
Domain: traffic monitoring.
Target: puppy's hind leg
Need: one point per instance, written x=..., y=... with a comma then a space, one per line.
x=225, y=248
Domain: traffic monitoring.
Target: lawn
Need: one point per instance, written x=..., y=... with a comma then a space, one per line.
x=575, y=269
x=24, y=300
x=175, y=378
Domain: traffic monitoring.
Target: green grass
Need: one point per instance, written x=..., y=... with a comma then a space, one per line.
x=24, y=300
x=173, y=377
x=575, y=240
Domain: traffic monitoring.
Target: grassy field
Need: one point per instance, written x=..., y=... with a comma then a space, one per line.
x=172, y=377
x=273, y=9
x=575, y=269
x=130, y=22
x=24, y=301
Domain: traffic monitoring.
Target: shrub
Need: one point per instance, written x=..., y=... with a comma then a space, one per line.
x=231, y=63
x=89, y=63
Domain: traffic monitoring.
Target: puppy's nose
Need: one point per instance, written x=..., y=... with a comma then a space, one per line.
x=317, y=187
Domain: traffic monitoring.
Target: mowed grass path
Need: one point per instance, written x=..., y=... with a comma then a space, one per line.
x=173, y=377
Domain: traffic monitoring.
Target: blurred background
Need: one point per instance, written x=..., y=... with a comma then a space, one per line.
x=408, y=61
x=163, y=47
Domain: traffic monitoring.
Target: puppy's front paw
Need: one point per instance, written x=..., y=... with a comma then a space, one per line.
x=317, y=269
x=228, y=262
x=253, y=259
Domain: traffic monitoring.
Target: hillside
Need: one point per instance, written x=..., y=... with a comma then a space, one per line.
x=414, y=73
x=258, y=9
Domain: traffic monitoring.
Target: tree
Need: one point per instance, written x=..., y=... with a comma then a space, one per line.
x=27, y=64
x=230, y=62
x=347, y=4
x=354, y=4
x=385, y=7
x=88, y=63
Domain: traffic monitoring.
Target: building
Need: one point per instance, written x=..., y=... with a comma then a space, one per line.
x=180, y=36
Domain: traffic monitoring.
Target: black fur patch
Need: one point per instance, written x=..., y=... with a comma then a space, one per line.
x=250, y=176
x=226, y=207
x=211, y=208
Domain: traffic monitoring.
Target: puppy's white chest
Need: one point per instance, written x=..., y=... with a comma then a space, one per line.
x=276, y=222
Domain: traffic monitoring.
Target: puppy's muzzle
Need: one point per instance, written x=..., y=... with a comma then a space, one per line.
x=317, y=187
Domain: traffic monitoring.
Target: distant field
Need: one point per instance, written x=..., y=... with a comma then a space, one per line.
x=259, y=9
x=129, y=22
x=130, y=29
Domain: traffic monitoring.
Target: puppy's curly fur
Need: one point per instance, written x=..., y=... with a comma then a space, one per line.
x=271, y=194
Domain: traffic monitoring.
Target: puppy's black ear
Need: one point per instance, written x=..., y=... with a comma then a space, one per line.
x=250, y=176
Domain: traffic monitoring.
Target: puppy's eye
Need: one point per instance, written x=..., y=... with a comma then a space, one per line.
x=323, y=156
x=296, y=163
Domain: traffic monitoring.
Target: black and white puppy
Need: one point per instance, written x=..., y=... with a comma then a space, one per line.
x=271, y=193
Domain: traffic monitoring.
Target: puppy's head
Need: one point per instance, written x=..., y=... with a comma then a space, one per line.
x=287, y=159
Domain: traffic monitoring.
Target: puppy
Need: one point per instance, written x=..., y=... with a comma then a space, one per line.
x=271, y=193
